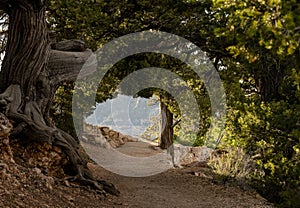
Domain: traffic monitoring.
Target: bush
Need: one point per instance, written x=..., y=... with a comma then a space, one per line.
x=233, y=166
x=270, y=133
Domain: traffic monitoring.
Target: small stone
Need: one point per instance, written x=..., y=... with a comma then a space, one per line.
x=37, y=170
x=66, y=182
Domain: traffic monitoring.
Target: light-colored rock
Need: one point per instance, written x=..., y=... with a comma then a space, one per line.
x=100, y=139
x=203, y=153
x=5, y=126
x=184, y=155
x=178, y=152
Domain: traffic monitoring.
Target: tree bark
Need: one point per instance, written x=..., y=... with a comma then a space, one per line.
x=166, y=135
x=27, y=47
x=65, y=65
x=28, y=85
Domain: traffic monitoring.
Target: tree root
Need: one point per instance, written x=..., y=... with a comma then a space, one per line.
x=83, y=174
x=100, y=186
x=29, y=122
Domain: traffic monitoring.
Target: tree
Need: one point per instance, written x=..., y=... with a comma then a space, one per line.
x=30, y=74
x=262, y=36
x=262, y=82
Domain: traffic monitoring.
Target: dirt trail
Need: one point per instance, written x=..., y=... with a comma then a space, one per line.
x=24, y=187
x=187, y=187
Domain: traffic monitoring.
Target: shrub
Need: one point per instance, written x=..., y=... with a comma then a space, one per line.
x=233, y=166
x=270, y=133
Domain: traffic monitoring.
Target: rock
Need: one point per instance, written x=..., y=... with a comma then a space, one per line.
x=37, y=170
x=100, y=140
x=5, y=149
x=104, y=129
x=113, y=134
x=203, y=153
x=84, y=139
x=188, y=159
x=5, y=126
x=113, y=144
x=105, y=137
x=184, y=155
x=121, y=136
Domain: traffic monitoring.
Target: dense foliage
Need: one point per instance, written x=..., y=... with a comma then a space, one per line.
x=97, y=22
x=263, y=117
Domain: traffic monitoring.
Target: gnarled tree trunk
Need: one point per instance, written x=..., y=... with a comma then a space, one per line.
x=28, y=84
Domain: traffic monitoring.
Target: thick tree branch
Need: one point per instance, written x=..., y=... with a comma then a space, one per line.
x=67, y=59
x=69, y=45
x=66, y=65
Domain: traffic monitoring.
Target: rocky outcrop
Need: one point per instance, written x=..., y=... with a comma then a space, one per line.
x=104, y=136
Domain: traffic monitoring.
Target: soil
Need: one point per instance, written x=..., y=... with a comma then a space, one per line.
x=191, y=186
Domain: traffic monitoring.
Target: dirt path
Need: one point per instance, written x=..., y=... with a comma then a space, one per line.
x=24, y=187
x=187, y=187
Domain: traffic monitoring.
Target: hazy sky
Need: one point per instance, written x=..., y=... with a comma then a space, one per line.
x=125, y=114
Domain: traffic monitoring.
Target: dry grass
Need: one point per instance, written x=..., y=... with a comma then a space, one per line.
x=233, y=166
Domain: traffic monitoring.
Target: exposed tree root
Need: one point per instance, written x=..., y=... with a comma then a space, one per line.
x=29, y=122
